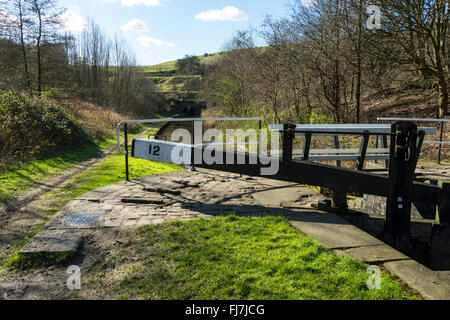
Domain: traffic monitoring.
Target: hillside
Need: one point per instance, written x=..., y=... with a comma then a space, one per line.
x=170, y=65
x=172, y=84
x=408, y=101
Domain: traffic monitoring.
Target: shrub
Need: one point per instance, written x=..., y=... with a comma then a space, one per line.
x=55, y=93
x=317, y=117
x=34, y=127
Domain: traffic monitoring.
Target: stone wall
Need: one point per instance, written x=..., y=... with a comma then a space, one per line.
x=376, y=206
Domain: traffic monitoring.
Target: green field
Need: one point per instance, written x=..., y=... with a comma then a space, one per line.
x=231, y=258
x=165, y=78
x=170, y=65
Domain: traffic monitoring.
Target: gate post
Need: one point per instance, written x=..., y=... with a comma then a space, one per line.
x=444, y=206
x=339, y=200
x=404, y=149
x=288, y=140
x=127, y=168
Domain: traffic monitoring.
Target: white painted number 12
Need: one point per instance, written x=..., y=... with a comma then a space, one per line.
x=154, y=150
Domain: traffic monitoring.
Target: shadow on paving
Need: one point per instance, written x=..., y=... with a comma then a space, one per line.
x=310, y=216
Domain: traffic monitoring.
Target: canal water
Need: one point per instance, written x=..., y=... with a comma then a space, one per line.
x=165, y=132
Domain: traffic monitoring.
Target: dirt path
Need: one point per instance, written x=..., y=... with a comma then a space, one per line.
x=21, y=201
x=23, y=214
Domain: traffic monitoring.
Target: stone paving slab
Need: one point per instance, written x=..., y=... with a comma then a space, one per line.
x=281, y=195
x=445, y=275
x=54, y=242
x=427, y=282
x=332, y=231
x=373, y=254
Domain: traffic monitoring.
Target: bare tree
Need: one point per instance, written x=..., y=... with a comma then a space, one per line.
x=22, y=14
x=124, y=62
x=46, y=25
x=354, y=31
x=3, y=18
x=323, y=56
x=322, y=27
x=92, y=63
x=15, y=26
x=421, y=30
x=104, y=71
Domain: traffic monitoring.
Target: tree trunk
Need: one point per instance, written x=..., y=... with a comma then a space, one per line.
x=358, y=65
x=38, y=49
x=358, y=94
x=22, y=42
x=443, y=98
x=39, y=66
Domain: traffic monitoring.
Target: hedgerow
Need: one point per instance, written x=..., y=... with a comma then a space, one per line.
x=33, y=127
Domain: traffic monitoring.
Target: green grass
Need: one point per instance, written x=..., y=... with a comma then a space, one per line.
x=231, y=258
x=162, y=67
x=109, y=171
x=26, y=175
x=170, y=83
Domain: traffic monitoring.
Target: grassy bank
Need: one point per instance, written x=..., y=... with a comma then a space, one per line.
x=29, y=174
x=20, y=177
x=230, y=258
x=108, y=171
x=171, y=65
x=41, y=136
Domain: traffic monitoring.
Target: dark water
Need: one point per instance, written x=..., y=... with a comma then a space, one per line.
x=165, y=132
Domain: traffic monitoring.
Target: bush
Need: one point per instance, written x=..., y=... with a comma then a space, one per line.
x=317, y=117
x=55, y=93
x=32, y=127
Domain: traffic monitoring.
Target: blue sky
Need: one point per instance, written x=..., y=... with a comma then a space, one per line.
x=164, y=30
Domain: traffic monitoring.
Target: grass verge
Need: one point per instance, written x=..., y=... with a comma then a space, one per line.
x=21, y=177
x=231, y=258
x=26, y=175
x=109, y=171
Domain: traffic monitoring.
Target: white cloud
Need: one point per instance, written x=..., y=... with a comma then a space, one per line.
x=135, y=25
x=147, y=3
x=229, y=13
x=131, y=3
x=73, y=21
x=148, y=41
